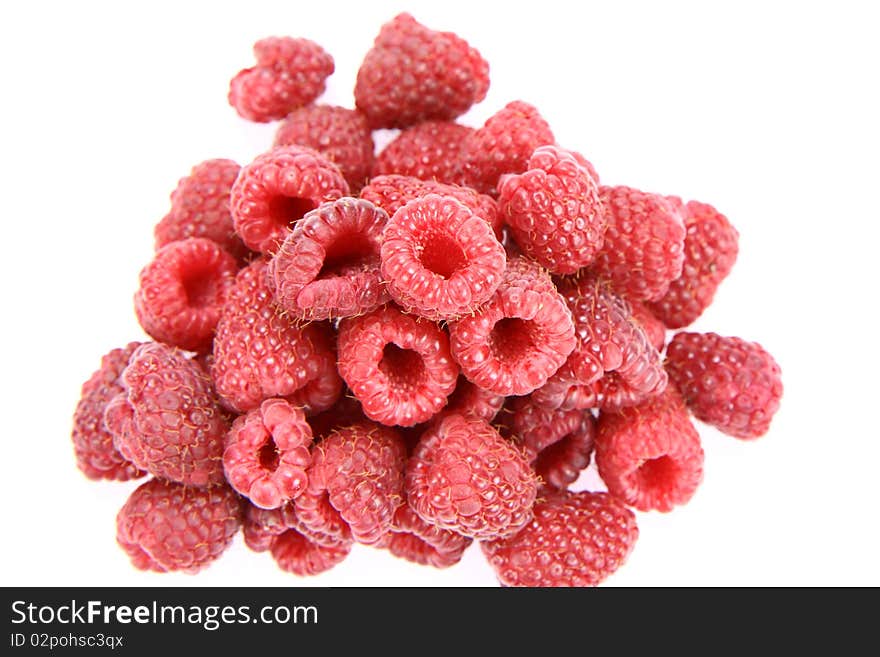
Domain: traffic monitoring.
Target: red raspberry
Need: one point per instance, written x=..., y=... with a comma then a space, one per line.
x=200, y=208
x=586, y=165
x=440, y=260
x=575, y=539
x=345, y=412
x=644, y=243
x=513, y=343
x=168, y=421
x=710, y=249
x=414, y=74
x=613, y=364
x=341, y=135
x=182, y=292
x=92, y=442
x=466, y=478
x=277, y=189
x=355, y=483
x=428, y=151
x=471, y=400
x=535, y=429
x=654, y=329
x=328, y=267
x=289, y=73
x=553, y=211
x=167, y=526
x=649, y=455
x=399, y=368
x=734, y=385
x=259, y=353
x=391, y=192
x=267, y=453
x=560, y=464
x=280, y=532
x=413, y=539
x=503, y=145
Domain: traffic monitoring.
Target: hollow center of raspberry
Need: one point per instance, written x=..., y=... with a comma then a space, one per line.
x=658, y=473
x=346, y=252
x=200, y=286
x=404, y=368
x=442, y=255
x=268, y=456
x=511, y=339
x=284, y=210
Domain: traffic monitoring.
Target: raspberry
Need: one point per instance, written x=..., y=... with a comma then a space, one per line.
x=391, y=192
x=267, y=453
x=654, y=329
x=341, y=135
x=328, y=267
x=710, y=249
x=575, y=539
x=586, y=165
x=93, y=446
x=613, y=365
x=345, y=412
x=513, y=343
x=466, y=478
x=399, y=368
x=560, y=464
x=503, y=145
x=644, y=243
x=200, y=208
x=182, y=292
x=277, y=189
x=167, y=526
x=289, y=73
x=168, y=420
x=553, y=211
x=440, y=260
x=535, y=428
x=413, y=539
x=280, y=532
x=649, y=455
x=734, y=385
x=471, y=400
x=414, y=74
x=428, y=151
x=259, y=353
x=355, y=483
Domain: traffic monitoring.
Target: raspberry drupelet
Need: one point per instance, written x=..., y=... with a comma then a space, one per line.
x=328, y=267
x=398, y=367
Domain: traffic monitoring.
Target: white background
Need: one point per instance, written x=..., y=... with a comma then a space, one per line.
x=769, y=111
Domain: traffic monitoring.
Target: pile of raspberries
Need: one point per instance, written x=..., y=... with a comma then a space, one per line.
x=418, y=349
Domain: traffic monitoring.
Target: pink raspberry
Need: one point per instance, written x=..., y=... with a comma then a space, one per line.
x=654, y=329
x=328, y=267
x=182, y=292
x=650, y=455
x=259, y=353
x=710, y=249
x=535, y=429
x=289, y=73
x=275, y=190
x=168, y=421
x=428, y=151
x=345, y=412
x=440, y=260
x=560, y=464
x=575, y=539
x=391, y=192
x=586, y=165
x=267, y=453
x=341, y=135
x=415, y=540
x=414, y=74
x=355, y=483
x=503, y=145
x=399, y=368
x=471, y=400
x=644, y=243
x=167, y=526
x=517, y=340
x=732, y=384
x=554, y=211
x=464, y=477
x=200, y=208
x=93, y=446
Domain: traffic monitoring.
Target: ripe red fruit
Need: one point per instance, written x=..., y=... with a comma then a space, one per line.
x=428, y=151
